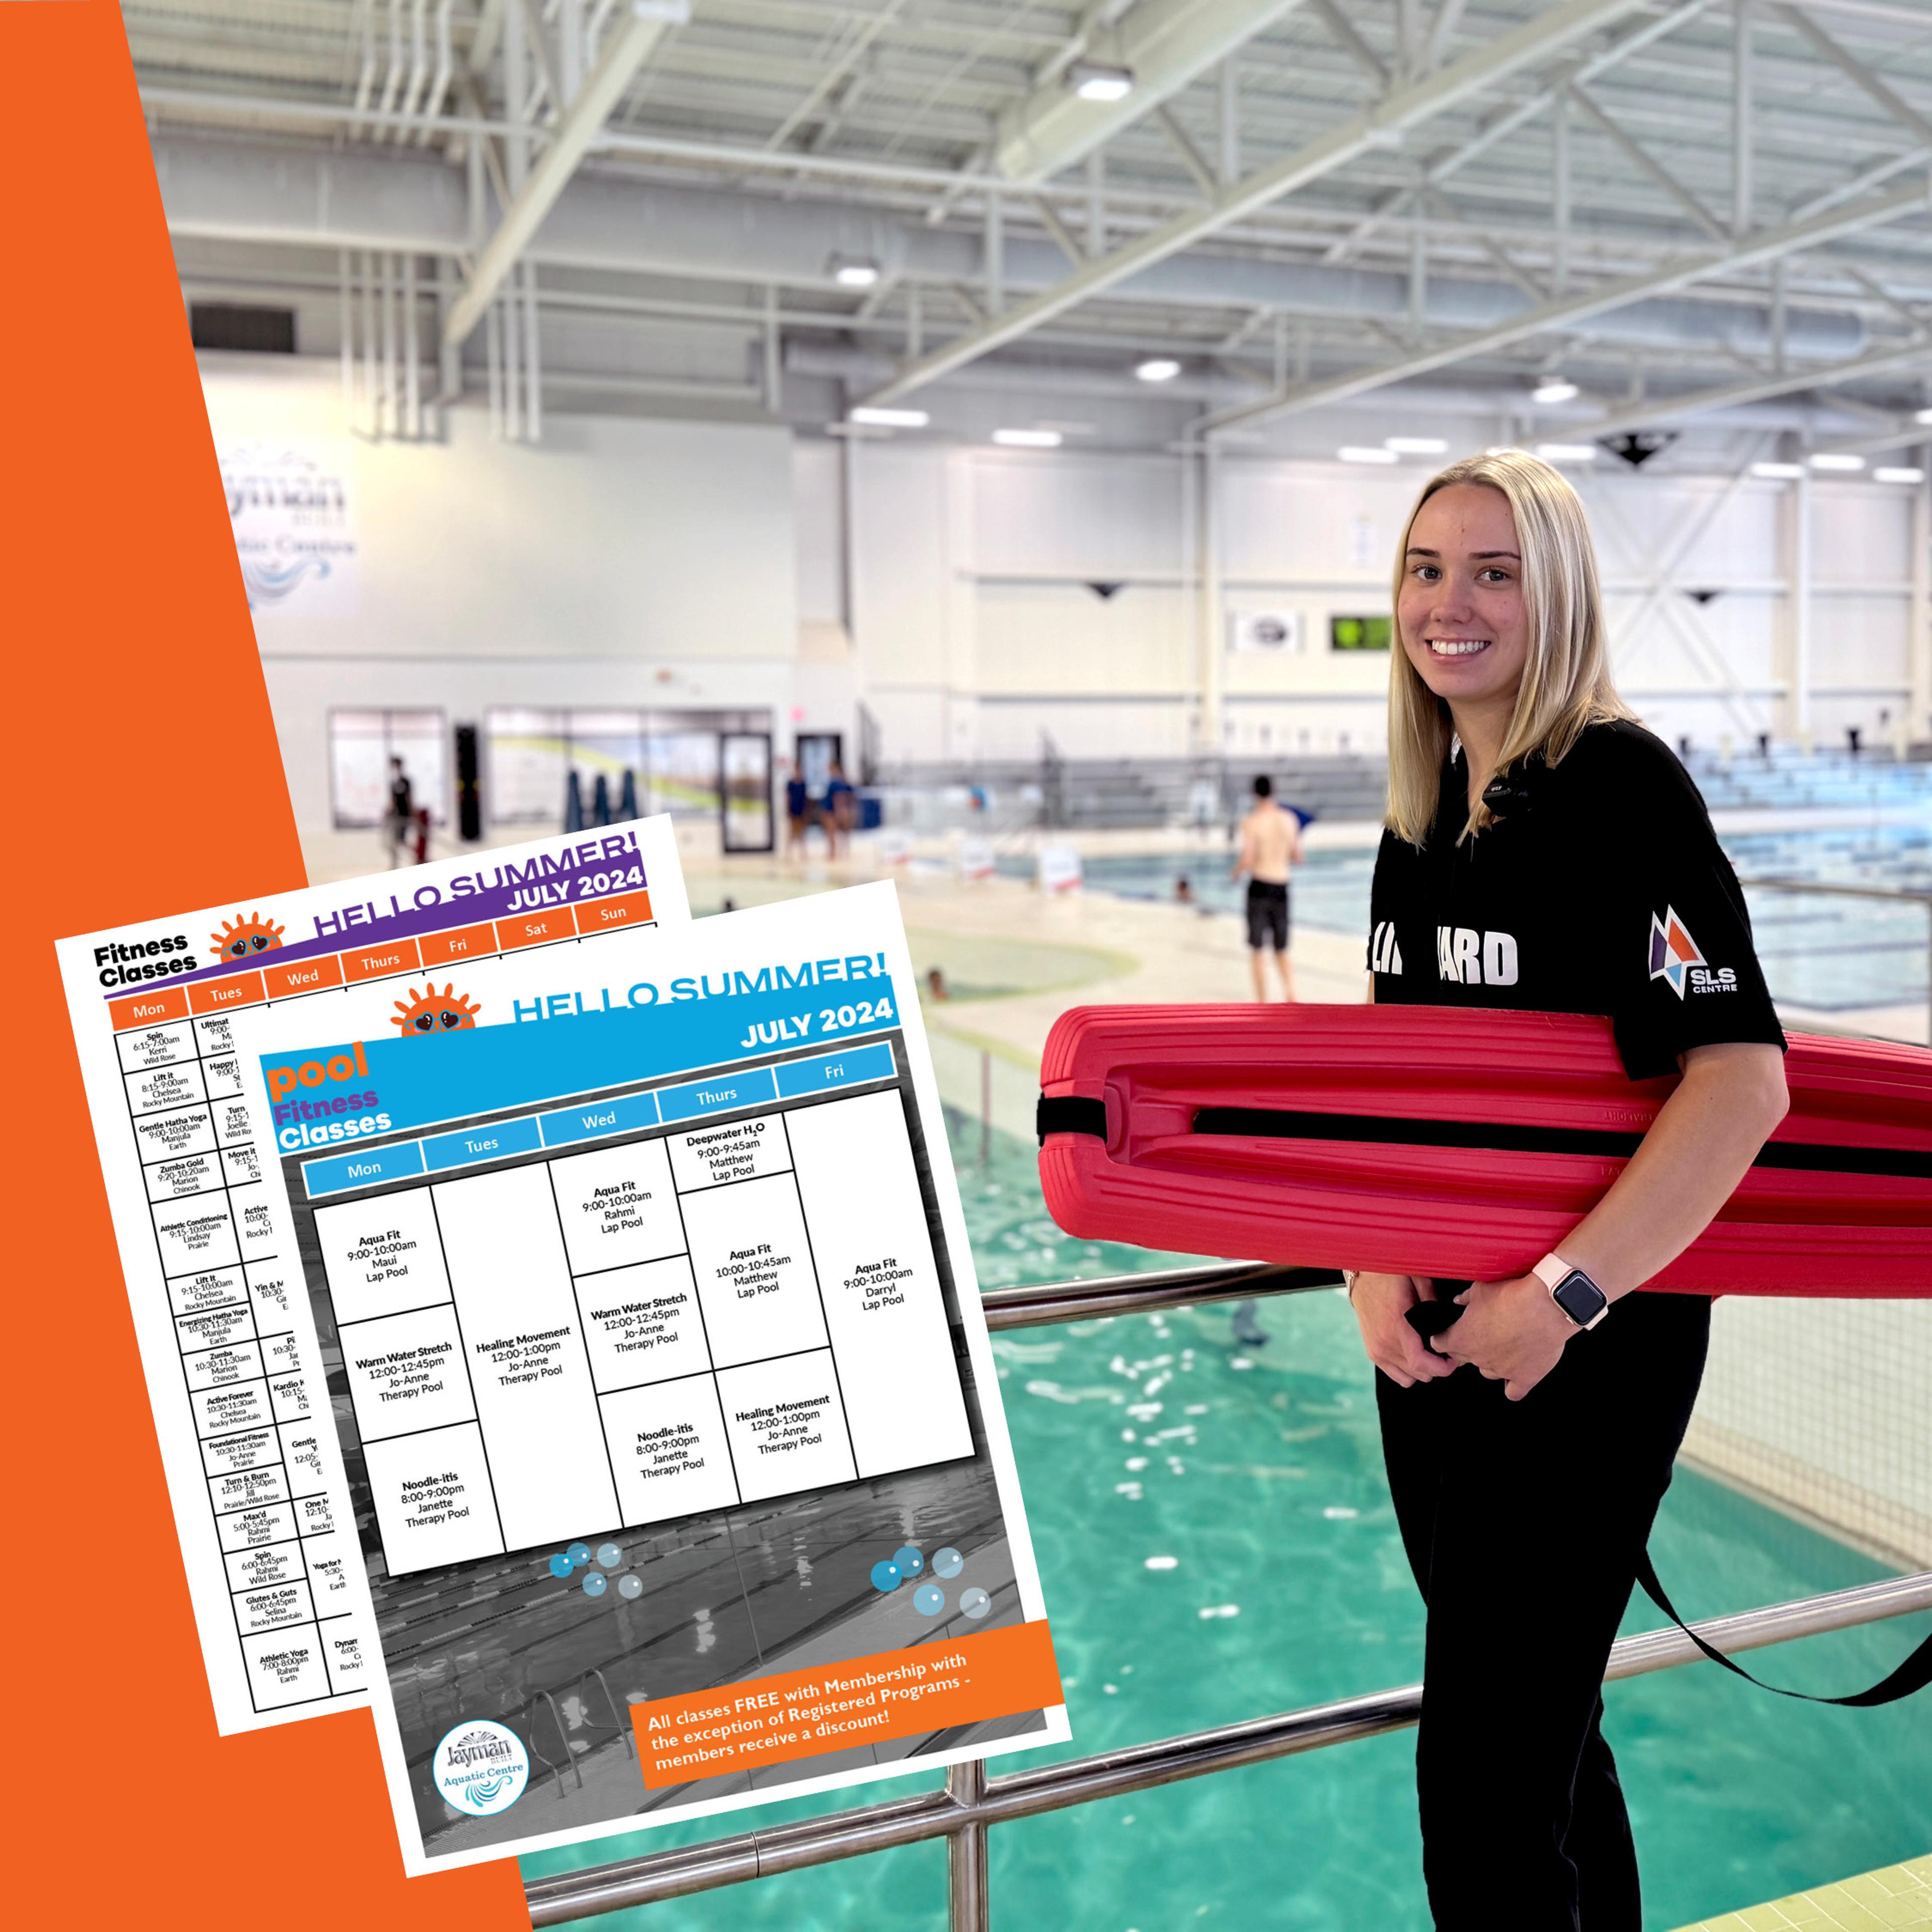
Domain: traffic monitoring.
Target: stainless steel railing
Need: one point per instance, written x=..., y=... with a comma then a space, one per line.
x=1032, y=1307
x=970, y=1803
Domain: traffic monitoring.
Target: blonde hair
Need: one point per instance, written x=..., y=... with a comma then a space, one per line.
x=1566, y=677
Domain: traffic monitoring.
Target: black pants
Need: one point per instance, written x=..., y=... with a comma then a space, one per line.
x=1523, y=1522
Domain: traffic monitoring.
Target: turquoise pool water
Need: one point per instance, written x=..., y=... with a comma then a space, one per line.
x=1257, y=1471
x=1821, y=951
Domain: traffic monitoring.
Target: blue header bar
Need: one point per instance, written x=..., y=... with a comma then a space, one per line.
x=693, y=1100
x=343, y=1171
x=858, y=1063
x=495, y=1142
x=490, y=1069
x=724, y=1095
x=622, y=1116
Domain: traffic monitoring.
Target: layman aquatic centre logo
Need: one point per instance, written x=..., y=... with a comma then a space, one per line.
x=241, y=938
x=431, y=1012
x=481, y=1767
x=1675, y=959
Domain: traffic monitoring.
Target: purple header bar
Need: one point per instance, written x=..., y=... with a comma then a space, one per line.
x=599, y=865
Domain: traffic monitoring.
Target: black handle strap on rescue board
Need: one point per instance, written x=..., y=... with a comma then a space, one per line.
x=1432, y=1318
x=1914, y=1674
x=1072, y=1114
x=1268, y=1123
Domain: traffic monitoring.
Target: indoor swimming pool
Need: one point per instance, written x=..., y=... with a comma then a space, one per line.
x=1819, y=950
x=1215, y=1542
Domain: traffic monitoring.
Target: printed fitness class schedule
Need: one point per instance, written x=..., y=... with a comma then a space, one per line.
x=667, y=1277
x=254, y=1473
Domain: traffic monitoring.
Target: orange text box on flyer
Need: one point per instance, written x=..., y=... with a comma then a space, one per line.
x=601, y=915
x=898, y=1693
x=216, y=996
x=466, y=942
x=535, y=928
x=149, y=1008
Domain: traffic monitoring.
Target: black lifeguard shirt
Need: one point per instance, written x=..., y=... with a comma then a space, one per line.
x=1601, y=889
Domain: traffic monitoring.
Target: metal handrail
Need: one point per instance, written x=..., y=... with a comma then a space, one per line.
x=1033, y=1307
x=971, y=1803
x=1897, y=895
x=1915, y=895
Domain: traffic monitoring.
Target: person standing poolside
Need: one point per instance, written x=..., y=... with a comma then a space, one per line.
x=1544, y=852
x=401, y=817
x=1271, y=845
x=796, y=807
x=841, y=813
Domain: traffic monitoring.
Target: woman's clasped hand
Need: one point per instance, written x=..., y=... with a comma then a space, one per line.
x=1509, y=1331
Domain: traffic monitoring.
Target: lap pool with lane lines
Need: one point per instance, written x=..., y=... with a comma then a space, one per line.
x=1831, y=954
x=1215, y=1542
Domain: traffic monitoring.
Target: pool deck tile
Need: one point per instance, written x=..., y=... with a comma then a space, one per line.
x=1876, y=1901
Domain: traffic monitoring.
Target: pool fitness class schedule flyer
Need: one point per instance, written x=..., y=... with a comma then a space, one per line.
x=664, y=1392
x=254, y=1475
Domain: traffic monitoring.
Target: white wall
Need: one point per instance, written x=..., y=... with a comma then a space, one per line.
x=976, y=629
x=632, y=562
x=620, y=562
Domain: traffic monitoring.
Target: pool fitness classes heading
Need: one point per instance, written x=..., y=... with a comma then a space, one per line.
x=611, y=862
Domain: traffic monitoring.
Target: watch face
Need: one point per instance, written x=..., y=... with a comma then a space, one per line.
x=1580, y=1297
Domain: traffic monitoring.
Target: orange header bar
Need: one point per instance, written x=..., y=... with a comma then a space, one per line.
x=149, y=1008
x=374, y=961
x=302, y=976
x=533, y=928
x=466, y=942
x=898, y=1693
x=601, y=915
x=216, y=996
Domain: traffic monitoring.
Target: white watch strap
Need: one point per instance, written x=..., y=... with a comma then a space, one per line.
x=1551, y=1270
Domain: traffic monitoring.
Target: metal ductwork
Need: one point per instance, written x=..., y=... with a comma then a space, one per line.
x=863, y=369
x=252, y=191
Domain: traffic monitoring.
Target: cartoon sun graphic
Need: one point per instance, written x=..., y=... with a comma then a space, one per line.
x=431, y=1012
x=239, y=938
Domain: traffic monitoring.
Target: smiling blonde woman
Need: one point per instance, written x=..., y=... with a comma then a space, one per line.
x=1543, y=851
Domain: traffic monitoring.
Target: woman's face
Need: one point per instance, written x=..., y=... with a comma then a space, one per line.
x=1461, y=612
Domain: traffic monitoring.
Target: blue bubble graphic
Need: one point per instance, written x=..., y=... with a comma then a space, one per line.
x=561, y=1566
x=947, y=1562
x=596, y=1584
x=909, y=1560
x=885, y=1577
x=609, y=1555
x=929, y=1599
x=579, y=1554
x=974, y=1603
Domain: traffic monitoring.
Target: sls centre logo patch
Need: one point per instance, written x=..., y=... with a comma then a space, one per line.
x=1675, y=959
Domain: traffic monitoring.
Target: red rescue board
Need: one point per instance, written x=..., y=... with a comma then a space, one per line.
x=1430, y=1140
